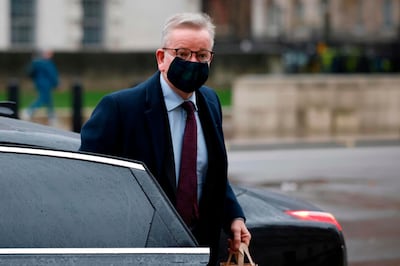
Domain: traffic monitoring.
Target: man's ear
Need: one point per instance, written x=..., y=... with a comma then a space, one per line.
x=160, y=56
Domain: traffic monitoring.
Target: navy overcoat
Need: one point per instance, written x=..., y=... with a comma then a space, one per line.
x=133, y=123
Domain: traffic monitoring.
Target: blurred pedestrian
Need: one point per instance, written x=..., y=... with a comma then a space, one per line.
x=44, y=75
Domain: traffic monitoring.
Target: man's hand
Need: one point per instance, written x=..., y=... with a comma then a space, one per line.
x=240, y=234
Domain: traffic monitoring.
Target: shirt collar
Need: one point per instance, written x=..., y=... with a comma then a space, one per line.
x=173, y=100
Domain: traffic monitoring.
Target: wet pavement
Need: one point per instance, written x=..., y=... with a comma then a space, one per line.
x=360, y=186
x=370, y=222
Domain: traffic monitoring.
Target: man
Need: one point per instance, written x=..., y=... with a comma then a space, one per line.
x=147, y=122
x=44, y=75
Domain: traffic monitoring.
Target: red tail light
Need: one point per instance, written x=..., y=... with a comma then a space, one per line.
x=315, y=216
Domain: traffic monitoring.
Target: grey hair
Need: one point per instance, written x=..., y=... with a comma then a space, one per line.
x=194, y=20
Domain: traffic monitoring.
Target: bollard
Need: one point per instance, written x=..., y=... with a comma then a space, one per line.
x=77, y=106
x=13, y=95
x=7, y=109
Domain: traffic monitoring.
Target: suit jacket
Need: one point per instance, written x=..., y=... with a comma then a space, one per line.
x=133, y=123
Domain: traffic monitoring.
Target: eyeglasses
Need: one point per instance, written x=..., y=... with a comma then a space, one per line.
x=203, y=56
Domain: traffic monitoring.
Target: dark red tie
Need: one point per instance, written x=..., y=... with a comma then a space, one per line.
x=186, y=196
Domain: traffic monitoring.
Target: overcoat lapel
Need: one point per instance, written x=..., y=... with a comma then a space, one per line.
x=157, y=121
x=212, y=202
x=211, y=127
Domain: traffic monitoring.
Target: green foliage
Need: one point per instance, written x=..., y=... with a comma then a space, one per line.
x=225, y=96
x=63, y=98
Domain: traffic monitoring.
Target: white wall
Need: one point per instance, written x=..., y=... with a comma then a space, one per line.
x=137, y=24
x=129, y=25
x=4, y=24
x=58, y=24
x=325, y=106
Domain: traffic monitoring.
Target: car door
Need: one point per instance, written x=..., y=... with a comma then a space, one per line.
x=67, y=200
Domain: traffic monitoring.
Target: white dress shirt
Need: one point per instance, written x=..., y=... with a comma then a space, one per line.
x=177, y=122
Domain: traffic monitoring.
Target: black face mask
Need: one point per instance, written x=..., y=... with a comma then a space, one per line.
x=187, y=76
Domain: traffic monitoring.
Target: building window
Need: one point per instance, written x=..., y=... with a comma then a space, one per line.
x=93, y=22
x=274, y=19
x=299, y=11
x=388, y=14
x=22, y=13
x=360, y=27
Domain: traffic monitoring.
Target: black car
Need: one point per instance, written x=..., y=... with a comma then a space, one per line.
x=56, y=197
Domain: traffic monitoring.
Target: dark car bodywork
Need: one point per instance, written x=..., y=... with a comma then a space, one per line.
x=282, y=239
x=79, y=202
x=281, y=234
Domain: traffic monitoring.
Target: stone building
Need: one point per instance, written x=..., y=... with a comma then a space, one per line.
x=116, y=39
x=125, y=25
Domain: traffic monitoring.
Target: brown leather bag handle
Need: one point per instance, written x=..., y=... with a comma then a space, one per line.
x=239, y=256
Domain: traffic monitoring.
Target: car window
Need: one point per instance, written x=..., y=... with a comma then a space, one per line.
x=59, y=202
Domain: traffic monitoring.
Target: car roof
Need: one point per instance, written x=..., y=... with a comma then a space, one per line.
x=15, y=131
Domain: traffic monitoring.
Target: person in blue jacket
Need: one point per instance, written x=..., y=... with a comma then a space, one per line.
x=44, y=75
x=146, y=123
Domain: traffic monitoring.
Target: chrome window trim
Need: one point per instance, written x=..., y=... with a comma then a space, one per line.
x=26, y=251
x=72, y=155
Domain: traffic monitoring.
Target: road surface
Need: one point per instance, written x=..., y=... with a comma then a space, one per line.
x=359, y=185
